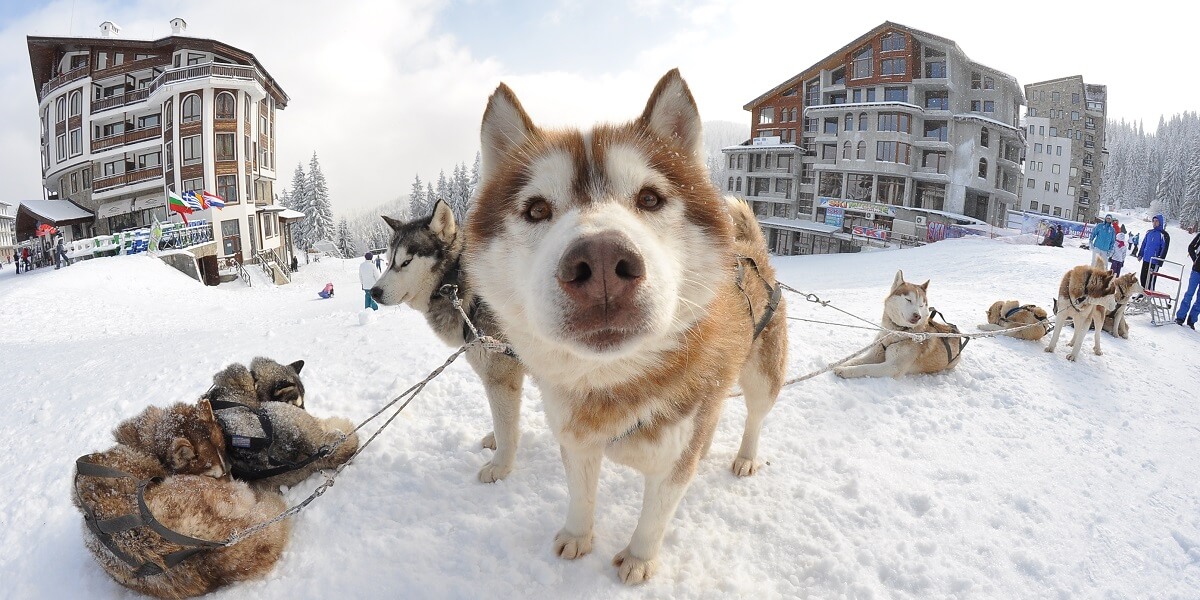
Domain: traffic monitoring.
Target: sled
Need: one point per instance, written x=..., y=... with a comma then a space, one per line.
x=1161, y=303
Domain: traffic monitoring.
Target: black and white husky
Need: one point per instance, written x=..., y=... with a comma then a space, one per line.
x=426, y=257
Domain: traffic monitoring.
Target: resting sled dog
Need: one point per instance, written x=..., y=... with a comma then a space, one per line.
x=1010, y=314
x=611, y=263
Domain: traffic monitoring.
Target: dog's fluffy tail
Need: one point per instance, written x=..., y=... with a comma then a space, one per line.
x=1099, y=263
x=745, y=225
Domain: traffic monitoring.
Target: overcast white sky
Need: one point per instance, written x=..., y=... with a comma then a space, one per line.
x=383, y=90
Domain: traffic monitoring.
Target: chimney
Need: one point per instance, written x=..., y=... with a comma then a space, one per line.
x=178, y=26
x=109, y=29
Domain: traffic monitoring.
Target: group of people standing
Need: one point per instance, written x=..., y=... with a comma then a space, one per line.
x=1111, y=242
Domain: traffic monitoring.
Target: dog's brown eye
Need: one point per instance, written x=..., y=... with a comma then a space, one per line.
x=537, y=210
x=649, y=200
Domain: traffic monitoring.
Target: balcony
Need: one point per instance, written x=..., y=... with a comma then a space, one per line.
x=1087, y=164
x=63, y=79
x=128, y=137
x=129, y=177
x=1087, y=183
x=223, y=71
x=118, y=101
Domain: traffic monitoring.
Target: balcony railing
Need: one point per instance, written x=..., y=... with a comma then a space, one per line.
x=119, y=100
x=207, y=70
x=127, y=137
x=1087, y=164
x=112, y=181
x=64, y=78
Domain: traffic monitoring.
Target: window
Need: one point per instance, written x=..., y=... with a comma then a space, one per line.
x=894, y=122
x=169, y=115
x=838, y=77
x=937, y=100
x=989, y=106
x=1032, y=113
x=935, y=69
x=1056, y=169
x=811, y=124
x=87, y=179
x=227, y=188
x=891, y=190
x=147, y=121
x=893, y=42
x=1058, y=150
x=783, y=186
x=846, y=150
x=895, y=94
x=60, y=145
x=1033, y=205
x=812, y=93
x=76, y=142
x=929, y=195
x=74, y=183
x=790, y=92
x=862, y=121
x=831, y=125
x=784, y=162
x=893, y=66
x=976, y=80
x=983, y=171
x=110, y=168
x=838, y=98
x=983, y=137
x=729, y=186
x=1053, y=132
x=60, y=109
x=870, y=94
x=935, y=160
x=976, y=106
x=225, y=106
x=766, y=116
x=191, y=109
x=1041, y=130
x=170, y=155
x=119, y=58
x=856, y=94
x=858, y=187
x=897, y=152
x=848, y=122
x=231, y=237
x=1057, y=211
x=1074, y=115
x=77, y=61
x=1056, y=97
x=1047, y=186
x=861, y=152
x=193, y=149
x=194, y=59
x=828, y=151
x=1046, y=209
x=76, y=103
x=862, y=63
x=1030, y=184
x=1031, y=129
x=146, y=161
x=1037, y=148
x=830, y=185
x=226, y=146
x=193, y=185
x=989, y=83
x=937, y=130
x=1056, y=188
x=1075, y=99
x=739, y=185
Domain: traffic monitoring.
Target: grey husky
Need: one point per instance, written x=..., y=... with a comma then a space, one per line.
x=426, y=258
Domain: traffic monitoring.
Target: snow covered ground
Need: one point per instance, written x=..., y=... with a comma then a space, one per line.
x=1016, y=475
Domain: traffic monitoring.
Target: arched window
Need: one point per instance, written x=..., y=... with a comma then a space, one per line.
x=738, y=187
x=76, y=103
x=225, y=106
x=849, y=122
x=60, y=109
x=846, y=150
x=794, y=113
x=191, y=108
x=861, y=153
x=862, y=121
x=983, y=137
x=730, y=185
x=983, y=168
x=169, y=114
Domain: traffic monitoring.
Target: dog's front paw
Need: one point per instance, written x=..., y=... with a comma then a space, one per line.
x=570, y=546
x=1071, y=357
x=633, y=570
x=840, y=371
x=493, y=472
x=1098, y=352
x=489, y=441
x=1049, y=348
x=744, y=467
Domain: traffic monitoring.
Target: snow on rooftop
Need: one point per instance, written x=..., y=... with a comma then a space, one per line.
x=55, y=211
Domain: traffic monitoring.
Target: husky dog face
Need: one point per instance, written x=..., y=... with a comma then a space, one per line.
x=1128, y=286
x=274, y=382
x=907, y=305
x=421, y=250
x=602, y=242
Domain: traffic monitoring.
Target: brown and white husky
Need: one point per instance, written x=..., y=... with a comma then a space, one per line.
x=612, y=264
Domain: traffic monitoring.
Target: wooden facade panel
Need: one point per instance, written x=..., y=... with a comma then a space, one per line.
x=227, y=167
x=186, y=129
x=191, y=172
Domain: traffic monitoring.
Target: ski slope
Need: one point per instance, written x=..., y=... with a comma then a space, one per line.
x=1016, y=475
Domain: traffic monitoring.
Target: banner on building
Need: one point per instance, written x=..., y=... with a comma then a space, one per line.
x=835, y=216
x=871, y=232
x=859, y=206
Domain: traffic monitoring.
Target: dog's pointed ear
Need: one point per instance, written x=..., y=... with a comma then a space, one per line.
x=395, y=224
x=296, y=366
x=206, y=411
x=899, y=280
x=505, y=127
x=671, y=114
x=925, y=286
x=442, y=223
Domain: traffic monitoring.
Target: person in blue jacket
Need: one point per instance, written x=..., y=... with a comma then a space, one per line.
x=1153, y=250
x=1193, y=284
x=1103, y=239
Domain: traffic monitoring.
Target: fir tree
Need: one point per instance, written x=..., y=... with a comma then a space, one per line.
x=302, y=201
x=474, y=181
x=460, y=193
x=344, y=243
x=417, y=199
x=443, y=188
x=321, y=220
x=431, y=199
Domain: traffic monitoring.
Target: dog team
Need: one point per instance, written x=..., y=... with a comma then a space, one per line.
x=635, y=296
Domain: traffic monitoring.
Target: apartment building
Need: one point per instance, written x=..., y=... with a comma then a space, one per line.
x=893, y=132
x=124, y=122
x=1073, y=115
x=8, y=219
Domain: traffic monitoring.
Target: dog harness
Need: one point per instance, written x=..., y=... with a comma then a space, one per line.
x=105, y=528
x=1028, y=307
x=962, y=341
x=448, y=288
x=258, y=445
x=774, y=293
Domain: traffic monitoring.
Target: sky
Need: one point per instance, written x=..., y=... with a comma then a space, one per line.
x=386, y=90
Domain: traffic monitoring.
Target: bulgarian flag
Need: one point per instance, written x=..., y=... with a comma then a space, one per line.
x=212, y=200
x=176, y=204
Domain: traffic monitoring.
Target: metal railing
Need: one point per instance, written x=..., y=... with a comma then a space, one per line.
x=231, y=264
x=186, y=237
x=112, y=181
x=64, y=78
x=128, y=137
x=269, y=260
x=119, y=100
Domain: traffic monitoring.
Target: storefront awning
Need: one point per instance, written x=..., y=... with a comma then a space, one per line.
x=114, y=208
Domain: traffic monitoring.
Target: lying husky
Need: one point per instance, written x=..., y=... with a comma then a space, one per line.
x=1085, y=294
x=612, y=265
x=427, y=256
x=1010, y=314
x=171, y=459
x=906, y=309
x=271, y=440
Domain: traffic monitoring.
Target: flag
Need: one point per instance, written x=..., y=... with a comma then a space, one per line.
x=190, y=199
x=213, y=200
x=176, y=204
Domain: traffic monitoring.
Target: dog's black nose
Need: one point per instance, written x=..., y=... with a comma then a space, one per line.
x=377, y=293
x=605, y=267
